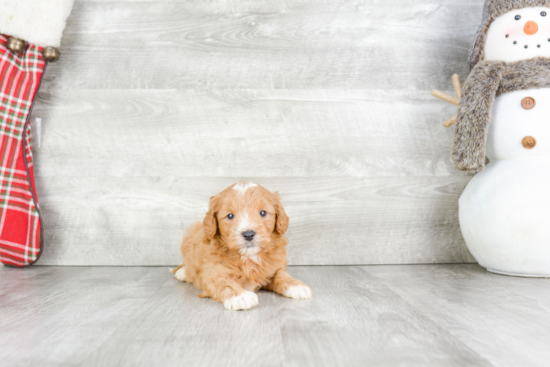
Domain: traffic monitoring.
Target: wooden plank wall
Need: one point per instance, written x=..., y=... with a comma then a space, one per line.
x=158, y=104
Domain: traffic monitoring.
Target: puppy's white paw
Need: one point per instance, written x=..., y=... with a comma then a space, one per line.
x=180, y=274
x=298, y=291
x=243, y=301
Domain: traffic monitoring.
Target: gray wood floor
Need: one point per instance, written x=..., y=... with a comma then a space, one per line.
x=435, y=315
x=157, y=105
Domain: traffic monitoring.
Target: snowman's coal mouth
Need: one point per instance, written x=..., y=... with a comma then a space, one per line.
x=527, y=46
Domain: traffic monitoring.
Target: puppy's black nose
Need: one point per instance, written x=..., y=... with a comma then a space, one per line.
x=249, y=235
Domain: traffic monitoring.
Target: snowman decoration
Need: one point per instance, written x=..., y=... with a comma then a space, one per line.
x=504, y=116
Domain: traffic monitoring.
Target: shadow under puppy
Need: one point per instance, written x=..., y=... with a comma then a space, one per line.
x=240, y=248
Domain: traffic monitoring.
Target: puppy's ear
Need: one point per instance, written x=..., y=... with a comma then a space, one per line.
x=210, y=222
x=282, y=220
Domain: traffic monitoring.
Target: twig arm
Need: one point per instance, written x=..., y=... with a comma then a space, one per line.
x=446, y=97
x=450, y=122
x=458, y=86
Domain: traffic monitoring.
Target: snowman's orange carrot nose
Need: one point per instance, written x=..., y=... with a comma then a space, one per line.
x=531, y=28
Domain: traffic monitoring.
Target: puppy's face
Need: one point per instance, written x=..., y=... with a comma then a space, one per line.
x=246, y=216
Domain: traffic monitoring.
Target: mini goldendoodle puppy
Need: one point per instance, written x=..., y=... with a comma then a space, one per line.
x=240, y=248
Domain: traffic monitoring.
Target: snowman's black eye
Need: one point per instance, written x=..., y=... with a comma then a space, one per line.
x=516, y=42
x=518, y=17
x=507, y=35
x=230, y=216
x=543, y=14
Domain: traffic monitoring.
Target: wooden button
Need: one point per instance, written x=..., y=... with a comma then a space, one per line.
x=529, y=142
x=528, y=103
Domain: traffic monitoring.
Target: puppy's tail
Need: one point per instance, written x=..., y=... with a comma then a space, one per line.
x=176, y=269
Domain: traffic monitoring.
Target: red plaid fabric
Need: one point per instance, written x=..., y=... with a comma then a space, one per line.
x=20, y=224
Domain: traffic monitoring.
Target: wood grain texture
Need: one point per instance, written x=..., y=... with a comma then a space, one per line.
x=463, y=292
x=433, y=315
x=58, y=315
x=158, y=104
x=128, y=220
x=253, y=133
x=365, y=44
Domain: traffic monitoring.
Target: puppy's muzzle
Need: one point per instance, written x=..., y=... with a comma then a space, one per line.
x=249, y=235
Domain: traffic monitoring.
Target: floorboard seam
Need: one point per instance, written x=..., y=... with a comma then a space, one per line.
x=130, y=318
x=433, y=321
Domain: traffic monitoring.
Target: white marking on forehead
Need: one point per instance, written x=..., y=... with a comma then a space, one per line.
x=241, y=187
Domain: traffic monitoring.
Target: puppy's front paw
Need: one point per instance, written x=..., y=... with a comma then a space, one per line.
x=243, y=301
x=180, y=275
x=298, y=291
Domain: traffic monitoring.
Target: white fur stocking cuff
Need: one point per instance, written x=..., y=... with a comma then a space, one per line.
x=40, y=22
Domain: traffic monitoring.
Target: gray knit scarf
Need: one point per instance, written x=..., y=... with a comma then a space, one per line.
x=488, y=80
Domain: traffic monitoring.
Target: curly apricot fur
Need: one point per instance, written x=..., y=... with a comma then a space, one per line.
x=220, y=262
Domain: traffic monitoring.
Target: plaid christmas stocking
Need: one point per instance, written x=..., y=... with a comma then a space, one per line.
x=27, y=43
x=20, y=224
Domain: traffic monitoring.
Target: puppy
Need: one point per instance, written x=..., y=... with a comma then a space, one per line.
x=240, y=248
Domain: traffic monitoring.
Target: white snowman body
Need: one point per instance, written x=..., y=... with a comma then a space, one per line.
x=504, y=211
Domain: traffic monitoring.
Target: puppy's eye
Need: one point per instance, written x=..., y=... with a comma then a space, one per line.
x=518, y=17
x=230, y=216
x=543, y=14
x=263, y=213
